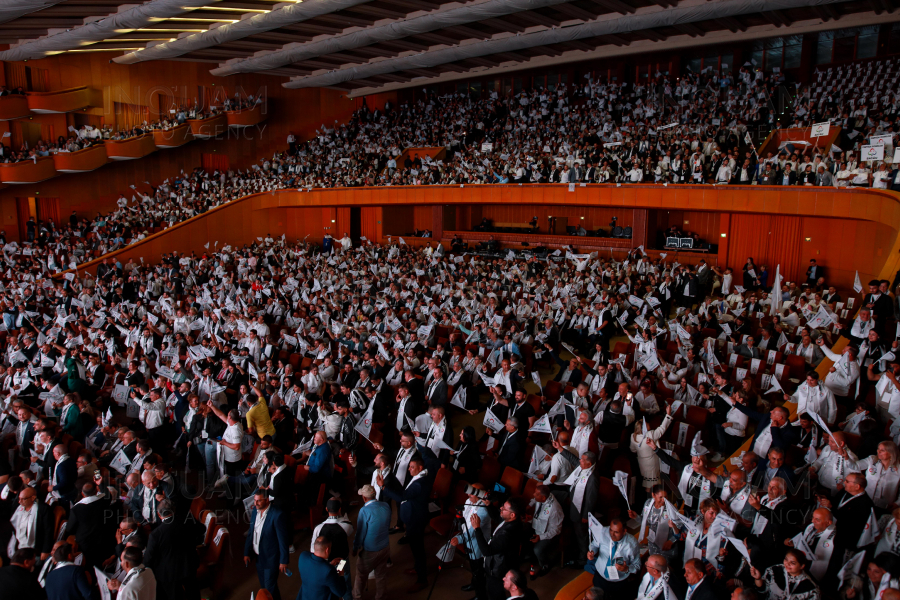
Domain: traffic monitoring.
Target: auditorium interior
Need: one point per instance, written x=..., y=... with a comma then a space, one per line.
x=533, y=188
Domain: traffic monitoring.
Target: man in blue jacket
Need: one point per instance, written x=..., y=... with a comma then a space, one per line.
x=413, y=503
x=372, y=543
x=268, y=540
x=66, y=580
x=320, y=464
x=321, y=580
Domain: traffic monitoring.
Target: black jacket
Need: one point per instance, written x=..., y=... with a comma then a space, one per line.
x=172, y=550
x=502, y=553
x=93, y=530
x=16, y=582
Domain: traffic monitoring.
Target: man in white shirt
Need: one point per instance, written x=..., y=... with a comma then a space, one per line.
x=546, y=524
x=139, y=582
x=655, y=584
x=230, y=444
x=845, y=370
x=834, y=463
x=812, y=397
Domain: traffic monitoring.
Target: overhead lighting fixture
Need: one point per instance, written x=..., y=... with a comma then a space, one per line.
x=151, y=39
x=229, y=9
x=101, y=50
x=199, y=20
x=151, y=30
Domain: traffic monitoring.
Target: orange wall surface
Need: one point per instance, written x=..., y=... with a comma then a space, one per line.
x=847, y=229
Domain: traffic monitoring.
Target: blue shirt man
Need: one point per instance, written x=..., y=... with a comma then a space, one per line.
x=372, y=543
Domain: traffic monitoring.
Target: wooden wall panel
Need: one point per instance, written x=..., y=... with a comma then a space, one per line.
x=398, y=220
x=422, y=218
x=704, y=224
x=594, y=217
x=371, y=222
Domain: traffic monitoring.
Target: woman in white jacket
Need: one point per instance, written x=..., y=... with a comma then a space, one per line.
x=647, y=459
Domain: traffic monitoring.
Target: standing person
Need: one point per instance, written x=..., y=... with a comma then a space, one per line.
x=502, y=553
x=584, y=488
x=268, y=541
x=172, y=554
x=614, y=558
x=18, y=580
x=230, y=442
x=320, y=579
x=87, y=522
x=546, y=526
x=371, y=545
x=413, y=509
x=139, y=582
x=67, y=581
x=338, y=531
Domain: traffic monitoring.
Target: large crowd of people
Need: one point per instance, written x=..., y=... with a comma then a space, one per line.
x=284, y=377
x=574, y=410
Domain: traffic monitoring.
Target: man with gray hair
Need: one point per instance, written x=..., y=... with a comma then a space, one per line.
x=372, y=543
x=655, y=584
x=512, y=448
x=584, y=486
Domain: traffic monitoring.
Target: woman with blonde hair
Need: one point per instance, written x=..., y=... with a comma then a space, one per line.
x=705, y=540
x=882, y=471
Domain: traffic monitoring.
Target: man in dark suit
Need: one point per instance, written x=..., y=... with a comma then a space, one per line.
x=880, y=305
x=700, y=586
x=416, y=388
x=172, y=555
x=268, y=541
x=89, y=523
x=767, y=546
x=584, y=492
x=281, y=483
x=512, y=445
x=66, y=580
x=320, y=578
x=502, y=553
x=413, y=502
x=851, y=510
x=773, y=426
x=771, y=467
x=64, y=474
x=436, y=393
x=813, y=273
x=569, y=371
x=18, y=580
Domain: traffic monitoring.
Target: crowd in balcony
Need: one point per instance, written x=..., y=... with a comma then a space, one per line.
x=699, y=129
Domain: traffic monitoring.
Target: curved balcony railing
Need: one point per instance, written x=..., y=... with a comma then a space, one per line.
x=131, y=148
x=27, y=171
x=81, y=161
x=64, y=101
x=209, y=127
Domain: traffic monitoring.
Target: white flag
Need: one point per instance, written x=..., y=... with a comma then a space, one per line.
x=870, y=533
x=364, y=426
x=491, y=420
x=852, y=566
x=775, y=308
x=459, y=398
x=857, y=284
x=542, y=425
x=537, y=457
